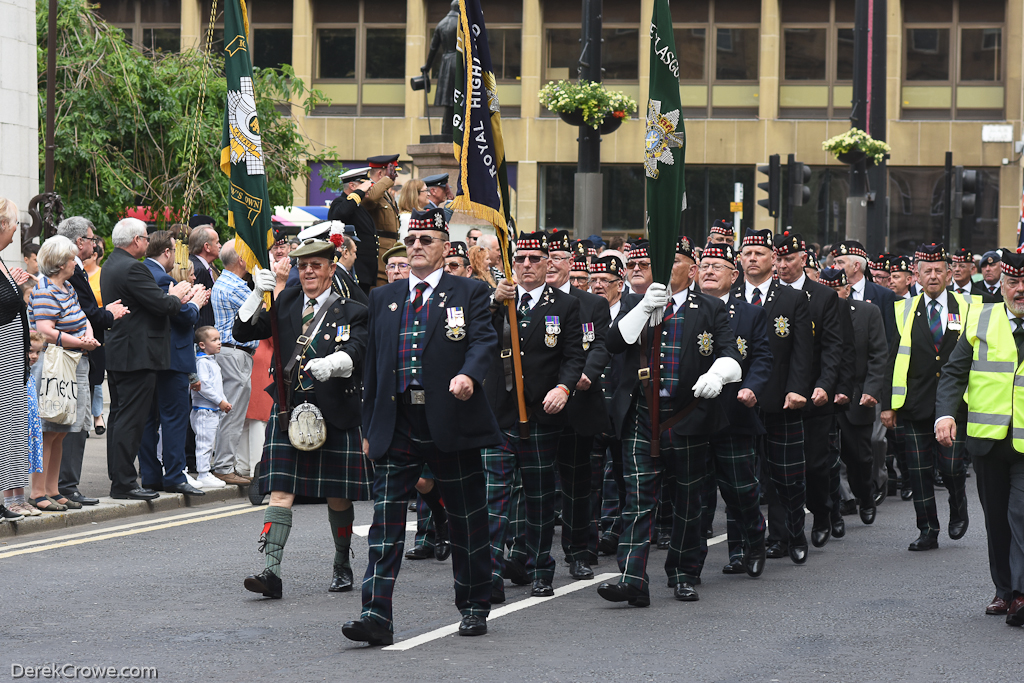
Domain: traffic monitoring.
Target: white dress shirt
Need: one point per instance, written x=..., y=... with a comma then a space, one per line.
x=857, y=289
x=432, y=280
x=798, y=284
x=535, y=295
x=763, y=288
x=613, y=310
x=943, y=312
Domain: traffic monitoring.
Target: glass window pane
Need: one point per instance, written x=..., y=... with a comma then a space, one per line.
x=270, y=11
x=736, y=50
x=927, y=54
x=690, y=50
x=980, y=58
x=336, y=53
x=385, y=53
x=161, y=11
x=988, y=11
x=844, y=55
x=564, y=49
x=620, y=11
x=117, y=11
x=272, y=47
x=164, y=40
x=737, y=11
x=687, y=12
x=845, y=11
x=804, y=11
x=930, y=11
x=805, y=54
x=619, y=53
x=506, y=52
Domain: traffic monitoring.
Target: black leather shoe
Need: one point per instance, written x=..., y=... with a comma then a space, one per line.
x=516, y=572
x=608, y=544
x=542, y=589
x=879, y=497
x=442, y=542
x=838, y=526
x=820, y=536
x=159, y=486
x=367, y=631
x=497, y=595
x=255, y=497
x=776, y=550
x=266, y=582
x=925, y=541
x=958, y=528
x=581, y=570
x=135, y=494
x=685, y=592
x=907, y=494
x=77, y=497
x=754, y=560
x=798, y=552
x=420, y=552
x=867, y=514
x=664, y=539
x=735, y=566
x=342, y=581
x=186, y=488
x=848, y=507
x=623, y=592
x=473, y=626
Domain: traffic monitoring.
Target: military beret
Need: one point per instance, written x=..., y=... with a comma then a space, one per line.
x=722, y=251
x=279, y=236
x=397, y=250
x=428, y=219
x=1012, y=264
x=607, y=264
x=832, y=277
x=849, y=248
x=990, y=257
x=198, y=219
x=639, y=249
x=314, y=247
x=684, y=246
x=355, y=174
x=596, y=241
x=789, y=243
x=900, y=264
x=580, y=265
x=758, y=238
x=936, y=251
x=459, y=249
x=438, y=180
x=883, y=262
x=382, y=160
x=585, y=247
x=962, y=255
x=559, y=240
x=722, y=227
x=537, y=241
x=812, y=260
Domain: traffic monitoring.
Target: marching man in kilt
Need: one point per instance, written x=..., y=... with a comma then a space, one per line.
x=318, y=452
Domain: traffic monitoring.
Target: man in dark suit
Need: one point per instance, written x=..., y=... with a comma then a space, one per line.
x=204, y=249
x=732, y=461
x=991, y=272
x=962, y=268
x=348, y=209
x=551, y=348
x=826, y=359
x=326, y=339
x=80, y=231
x=169, y=416
x=851, y=257
x=928, y=327
x=867, y=350
x=431, y=342
x=138, y=348
x=986, y=363
x=792, y=343
x=698, y=357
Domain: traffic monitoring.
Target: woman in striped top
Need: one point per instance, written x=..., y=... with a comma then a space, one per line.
x=61, y=320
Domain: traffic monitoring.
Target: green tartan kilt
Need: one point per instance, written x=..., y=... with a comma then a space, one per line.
x=338, y=469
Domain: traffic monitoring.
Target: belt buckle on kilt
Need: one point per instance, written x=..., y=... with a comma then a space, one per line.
x=417, y=397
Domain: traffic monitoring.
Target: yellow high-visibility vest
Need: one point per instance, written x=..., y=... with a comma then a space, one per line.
x=996, y=383
x=904, y=324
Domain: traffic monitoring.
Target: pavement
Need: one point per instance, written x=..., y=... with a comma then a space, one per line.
x=165, y=590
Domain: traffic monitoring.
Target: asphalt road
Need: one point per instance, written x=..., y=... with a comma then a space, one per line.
x=166, y=591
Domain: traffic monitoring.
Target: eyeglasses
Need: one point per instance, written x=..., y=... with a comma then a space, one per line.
x=397, y=266
x=642, y=265
x=425, y=240
x=558, y=259
x=425, y=191
x=534, y=258
x=579, y=280
x=311, y=265
x=455, y=265
x=717, y=267
x=603, y=281
x=145, y=237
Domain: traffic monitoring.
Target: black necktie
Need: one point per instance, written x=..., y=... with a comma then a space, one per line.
x=417, y=302
x=755, y=298
x=1018, y=338
x=524, y=304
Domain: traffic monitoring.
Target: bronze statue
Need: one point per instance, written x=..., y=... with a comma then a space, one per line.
x=446, y=37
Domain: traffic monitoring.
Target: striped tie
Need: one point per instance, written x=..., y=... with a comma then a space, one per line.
x=307, y=315
x=755, y=298
x=417, y=302
x=935, y=323
x=524, y=305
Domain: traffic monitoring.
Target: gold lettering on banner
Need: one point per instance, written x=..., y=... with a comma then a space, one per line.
x=238, y=43
x=253, y=204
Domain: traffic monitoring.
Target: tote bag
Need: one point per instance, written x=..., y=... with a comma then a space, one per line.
x=58, y=388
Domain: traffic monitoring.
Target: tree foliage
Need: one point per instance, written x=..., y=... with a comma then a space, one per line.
x=123, y=121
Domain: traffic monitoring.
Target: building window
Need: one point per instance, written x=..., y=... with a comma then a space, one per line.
x=359, y=58
x=953, y=62
x=710, y=191
x=270, y=28
x=817, y=59
x=717, y=44
x=150, y=25
x=916, y=211
x=622, y=198
x=620, y=44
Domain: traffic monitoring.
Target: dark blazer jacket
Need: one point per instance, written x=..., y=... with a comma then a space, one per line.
x=791, y=341
x=544, y=367
x=925, y=364
x=183, y=355
x=978, y=289
x=349, y=212
x=338, y=397
x=869, y=359
x=884, y=298
x=455, y=425
x=139, y=340
x=204, y=278
x=750, y=325
x=586, y=409
x=616, y=392
x=823, y=305
x=704, y=314
x=100, y=318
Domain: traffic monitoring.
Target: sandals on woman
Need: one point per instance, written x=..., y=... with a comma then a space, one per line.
x=68, y=504
x=52, y=505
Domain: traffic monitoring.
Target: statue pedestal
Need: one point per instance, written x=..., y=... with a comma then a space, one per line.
x=439, y=157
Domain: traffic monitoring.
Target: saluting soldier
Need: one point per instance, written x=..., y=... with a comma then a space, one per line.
x=553, y=359
x=698, y=357
x=928, y=327
x=379, y=202
x=315, y=450
x=348, y=209
x=430, y=344
x=732, y=456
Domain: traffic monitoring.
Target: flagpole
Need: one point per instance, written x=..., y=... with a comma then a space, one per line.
x=655, y=406
x=517, y=366
x=279, y=379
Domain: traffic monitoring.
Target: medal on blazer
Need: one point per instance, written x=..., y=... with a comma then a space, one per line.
x=551, y=331
x=344, y=332
x=455, y=325
x=953, y=322
x=393, y=307
x=782, y=326
x=741, y=344
x=705, y=343
x=588, y=335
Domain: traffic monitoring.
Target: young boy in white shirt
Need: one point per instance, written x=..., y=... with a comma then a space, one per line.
x=208, y=404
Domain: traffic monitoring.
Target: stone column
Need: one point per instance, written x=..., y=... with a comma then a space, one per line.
x=532, y=68
x=193, y=24
x=416, y=31
x=770, y=60
x=303, y=45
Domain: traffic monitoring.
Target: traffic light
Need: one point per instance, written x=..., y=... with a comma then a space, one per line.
x=774, y=172
x=798, y=175
x=965, y=185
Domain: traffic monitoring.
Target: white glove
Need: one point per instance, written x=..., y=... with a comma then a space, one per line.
x=722, y=372
x=250, y=306
x=632, y=324
x=263, y=281
x=338, y=364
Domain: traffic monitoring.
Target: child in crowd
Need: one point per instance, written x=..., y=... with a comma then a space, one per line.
x=208, y=404
x=14, y=500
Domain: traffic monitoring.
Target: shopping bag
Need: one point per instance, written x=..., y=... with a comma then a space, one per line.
x=58, y=388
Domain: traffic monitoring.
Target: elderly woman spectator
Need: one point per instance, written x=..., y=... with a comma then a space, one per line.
x=14, y=349
x=60, y=318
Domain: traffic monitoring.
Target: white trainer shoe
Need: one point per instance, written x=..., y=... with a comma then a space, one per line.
x=208, y=481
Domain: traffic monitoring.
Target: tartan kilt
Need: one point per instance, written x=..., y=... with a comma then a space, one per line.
x=338, y=469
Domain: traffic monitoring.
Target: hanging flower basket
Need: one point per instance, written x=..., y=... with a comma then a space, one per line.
x=587, y=104
x=854, y=145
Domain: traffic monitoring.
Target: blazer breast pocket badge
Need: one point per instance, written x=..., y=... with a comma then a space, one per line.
x=741, y=344
x=455, y=325
x=782, y=326
x=588, y=335
x=551, y=331
x=705, y=343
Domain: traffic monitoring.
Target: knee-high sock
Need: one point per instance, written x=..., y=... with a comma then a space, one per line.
x=277, y=524
x=341, y=528
x=433, y=501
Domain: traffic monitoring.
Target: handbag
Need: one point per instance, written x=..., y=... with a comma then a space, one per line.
x=58, y=386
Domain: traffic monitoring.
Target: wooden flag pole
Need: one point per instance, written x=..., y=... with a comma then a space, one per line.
x=655, y=407
x=279, y=379
x=517, y=365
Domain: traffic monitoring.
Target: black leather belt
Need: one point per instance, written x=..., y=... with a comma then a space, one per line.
x=249, y=351
x=414, y=397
